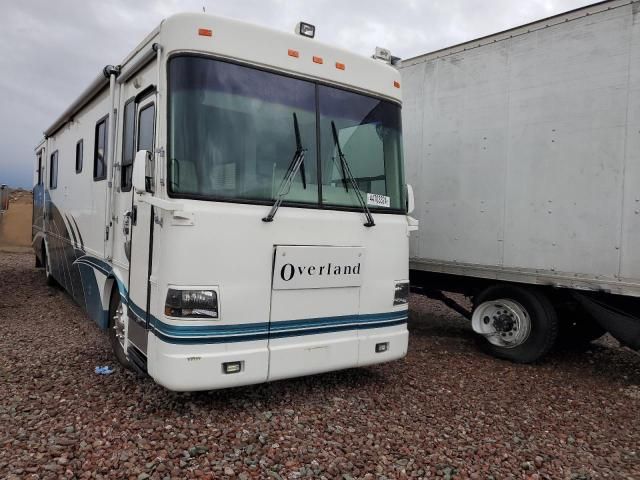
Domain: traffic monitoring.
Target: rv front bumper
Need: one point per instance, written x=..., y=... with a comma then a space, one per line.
x=202, y=366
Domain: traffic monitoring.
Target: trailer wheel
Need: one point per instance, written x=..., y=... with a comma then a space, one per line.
x=47, y=268
x=117, y=320
x=518, y=323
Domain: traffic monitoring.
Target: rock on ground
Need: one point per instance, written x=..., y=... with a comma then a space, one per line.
x=446, y=411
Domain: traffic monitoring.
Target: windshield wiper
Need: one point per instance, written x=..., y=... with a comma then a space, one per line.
x=346, y=170
x=297, y=163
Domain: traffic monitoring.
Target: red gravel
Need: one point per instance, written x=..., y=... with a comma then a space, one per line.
x=447, y=410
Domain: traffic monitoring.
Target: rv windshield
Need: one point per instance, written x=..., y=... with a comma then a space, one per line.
x=231, y=137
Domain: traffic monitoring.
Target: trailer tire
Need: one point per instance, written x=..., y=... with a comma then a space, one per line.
x=116, y=328
x=529, y=319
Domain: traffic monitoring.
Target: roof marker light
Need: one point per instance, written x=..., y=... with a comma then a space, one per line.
x=396, y=84
x=340, y=66
x=382, y=54
x=205, y=32
x=294, y=53
x=318, y=60
x=306, y=29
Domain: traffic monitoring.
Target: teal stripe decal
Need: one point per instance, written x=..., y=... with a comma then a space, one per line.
x=245, y=332
x=278, y=329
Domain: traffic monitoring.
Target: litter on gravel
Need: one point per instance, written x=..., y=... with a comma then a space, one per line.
x=104, y=370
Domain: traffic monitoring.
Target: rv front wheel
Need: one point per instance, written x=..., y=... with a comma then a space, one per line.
x=117, y=319
x=517, y=323
x=47, y=268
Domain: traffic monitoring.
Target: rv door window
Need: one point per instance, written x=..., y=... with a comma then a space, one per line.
x=100, y=150
x=128, y=145
x=146, y=122
x=79, y=155
x=53, y=171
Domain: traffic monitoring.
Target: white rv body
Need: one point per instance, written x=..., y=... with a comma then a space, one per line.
x=336, y=306
x=523, y=149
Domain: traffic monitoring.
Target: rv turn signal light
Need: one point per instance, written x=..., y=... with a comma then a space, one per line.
x=401, y=296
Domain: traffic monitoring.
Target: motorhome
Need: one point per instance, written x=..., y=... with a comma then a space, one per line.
x=524, y=152
x=229, y=203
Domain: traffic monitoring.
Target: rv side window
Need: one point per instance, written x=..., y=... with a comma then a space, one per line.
x=100, y=150
x=128, y=146
x=53, y=171
x=146, y=122
x=40, y=167
x=79, y=154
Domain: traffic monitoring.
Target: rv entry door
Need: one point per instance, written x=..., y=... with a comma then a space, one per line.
x=141, y=236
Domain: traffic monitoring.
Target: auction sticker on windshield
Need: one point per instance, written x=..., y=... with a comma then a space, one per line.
x=378, y=200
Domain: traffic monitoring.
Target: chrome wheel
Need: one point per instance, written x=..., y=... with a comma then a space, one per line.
x=504, y=323
x=119, y=324
x=118, y=327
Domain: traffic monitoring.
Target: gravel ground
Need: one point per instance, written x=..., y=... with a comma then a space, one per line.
x=447, y=410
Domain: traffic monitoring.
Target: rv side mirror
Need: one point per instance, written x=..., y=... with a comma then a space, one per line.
x=411, y=201
x=142, y=177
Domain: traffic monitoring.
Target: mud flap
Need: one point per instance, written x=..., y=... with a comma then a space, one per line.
x=614, y=315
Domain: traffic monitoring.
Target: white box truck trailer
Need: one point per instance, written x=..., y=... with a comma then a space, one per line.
x=523, y=149
x=229, y=204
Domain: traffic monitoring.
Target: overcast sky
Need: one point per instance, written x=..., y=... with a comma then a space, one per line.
x=51, y=50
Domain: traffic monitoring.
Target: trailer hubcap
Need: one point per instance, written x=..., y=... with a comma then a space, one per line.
x=505, y=323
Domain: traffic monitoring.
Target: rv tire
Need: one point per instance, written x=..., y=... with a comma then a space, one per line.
x=116, y=328
x=51, y=282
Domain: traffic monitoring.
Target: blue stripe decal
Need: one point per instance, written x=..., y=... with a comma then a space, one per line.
x=246, y=332
x=187, y=334
x=264, y=336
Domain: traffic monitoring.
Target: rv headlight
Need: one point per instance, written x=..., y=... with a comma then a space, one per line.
x=401, y=296
x=191, y=304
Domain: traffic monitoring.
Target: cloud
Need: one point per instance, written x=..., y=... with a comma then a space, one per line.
x=50, y=51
